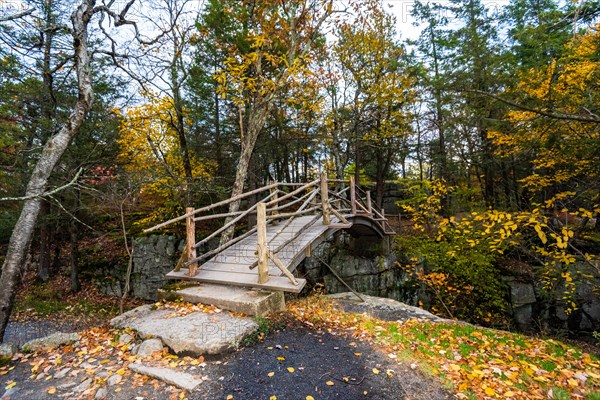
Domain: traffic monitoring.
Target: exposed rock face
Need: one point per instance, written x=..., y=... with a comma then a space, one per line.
x=366, y=266
x=153, y=257
x=369, y=267
x=196, y=333
x=522, y=296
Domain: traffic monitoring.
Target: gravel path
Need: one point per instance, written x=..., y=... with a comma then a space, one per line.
x=20, y=332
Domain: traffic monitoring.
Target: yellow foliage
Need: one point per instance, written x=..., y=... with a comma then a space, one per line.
x=150, y=152
x=568, y=86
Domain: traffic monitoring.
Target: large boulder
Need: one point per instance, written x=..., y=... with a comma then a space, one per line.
x=196, y=333
x=382, y=308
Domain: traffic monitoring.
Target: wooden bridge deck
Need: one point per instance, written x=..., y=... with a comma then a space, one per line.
x=233, y=265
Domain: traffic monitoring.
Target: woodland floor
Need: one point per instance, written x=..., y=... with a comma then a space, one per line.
x=311, y=351
x=325, y=366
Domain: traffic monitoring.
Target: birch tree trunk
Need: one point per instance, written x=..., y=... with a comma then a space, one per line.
x=12, y=268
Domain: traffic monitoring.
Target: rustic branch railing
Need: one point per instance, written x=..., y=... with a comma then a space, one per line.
x=345, y=201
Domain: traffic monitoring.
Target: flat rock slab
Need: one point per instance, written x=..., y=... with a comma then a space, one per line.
x=182, y=380
x=236, y=299
x=382, y=308
x=195, y=334
x=51, y=342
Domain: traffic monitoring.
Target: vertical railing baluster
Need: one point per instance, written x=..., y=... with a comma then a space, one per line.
x=352, y=195
x=261, y=243
x=190, y=230
x=325, y=199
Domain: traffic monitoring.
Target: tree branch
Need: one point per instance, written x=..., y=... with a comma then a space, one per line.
x=17, y=16
x=46, y=194
x=550, y=114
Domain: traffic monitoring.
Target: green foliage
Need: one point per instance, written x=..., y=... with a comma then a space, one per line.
x=465, y=286
x=264, y=327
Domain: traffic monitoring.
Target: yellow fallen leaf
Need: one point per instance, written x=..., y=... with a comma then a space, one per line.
x=291, y=369
x=52, y=390
x=310, y=398
x=346, y=379
x=489, y=391
x=10, y=386
x=329, y=383
x=375, y=371
x=182, y=395
x=273, y=398
x=365, y=392
x=121, y=371
x=389, y=373
x=509, y=394
x=358, y=354
x=270, y=374
x=281, y=358
x=572, y=382
x=118, y=389
x=48, y=378
x=229, y=397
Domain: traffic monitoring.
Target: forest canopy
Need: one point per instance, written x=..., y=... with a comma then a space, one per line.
x=489, y=121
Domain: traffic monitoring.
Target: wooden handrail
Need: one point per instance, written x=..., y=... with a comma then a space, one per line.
x=287, y=196
x=233, y=221
x=212, y=206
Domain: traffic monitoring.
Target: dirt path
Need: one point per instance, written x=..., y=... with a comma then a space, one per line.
x=321, y=365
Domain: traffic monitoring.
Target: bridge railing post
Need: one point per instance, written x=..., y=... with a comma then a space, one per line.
x=369, y=205
x=190, y=231
x=275, y=198
x=261, y=243
x=325, y=199
x=352, y=195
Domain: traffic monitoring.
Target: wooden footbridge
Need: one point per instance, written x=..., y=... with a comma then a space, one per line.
x=291, y=220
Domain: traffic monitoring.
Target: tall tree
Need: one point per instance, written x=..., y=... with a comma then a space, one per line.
x=53, y=150
x=378, y=77
x=276, y=48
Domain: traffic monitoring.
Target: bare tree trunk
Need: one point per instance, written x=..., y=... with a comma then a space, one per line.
x=44, y=258
x=51, y=154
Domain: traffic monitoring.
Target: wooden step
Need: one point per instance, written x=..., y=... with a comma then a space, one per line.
x=247, y=280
